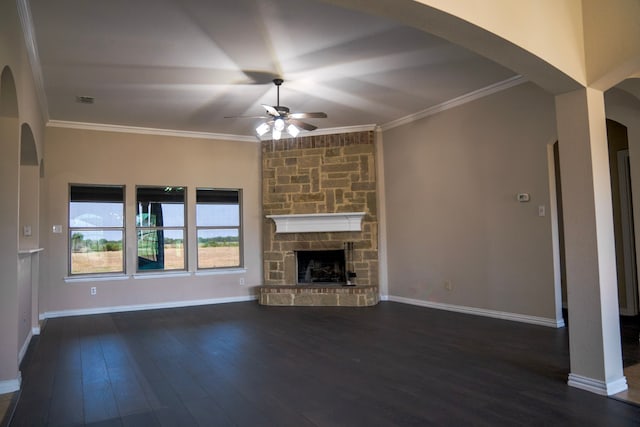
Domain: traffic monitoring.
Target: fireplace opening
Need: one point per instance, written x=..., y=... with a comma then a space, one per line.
x=321, y=267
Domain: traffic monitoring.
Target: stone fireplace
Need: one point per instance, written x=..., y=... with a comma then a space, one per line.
x=319, y=194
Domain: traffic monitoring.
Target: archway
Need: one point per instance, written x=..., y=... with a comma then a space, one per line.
x=8, y=95
x=9, y=177
x=29, y=242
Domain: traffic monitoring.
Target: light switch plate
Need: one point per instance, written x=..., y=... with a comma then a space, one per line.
x=57, y=229
x=26, y=231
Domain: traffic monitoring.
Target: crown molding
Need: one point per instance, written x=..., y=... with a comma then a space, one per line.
x=456, y=102
x=344, y=129
x=24, y=12
x=148, y=131
x=189, y=134
x=26, y=21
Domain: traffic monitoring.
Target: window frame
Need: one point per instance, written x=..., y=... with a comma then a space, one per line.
x=184, y=228
x=239, y=227
x=71, y=230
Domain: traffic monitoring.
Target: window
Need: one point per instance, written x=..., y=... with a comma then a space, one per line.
x=218, y=228
x=160, y=228
x=96, y=229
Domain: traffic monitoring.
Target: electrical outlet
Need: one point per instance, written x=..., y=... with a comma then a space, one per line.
x=447, y=285
x=94, y=290
x=241, y=281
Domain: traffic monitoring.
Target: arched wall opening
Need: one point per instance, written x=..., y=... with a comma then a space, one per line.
x=624, y=108
x=8, y=95
x=29, y=238
x=9, y=184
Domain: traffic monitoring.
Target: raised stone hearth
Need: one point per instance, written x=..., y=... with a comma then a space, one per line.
x=319, y=194
x=309, y=295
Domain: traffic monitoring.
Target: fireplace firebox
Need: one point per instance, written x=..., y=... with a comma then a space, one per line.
x=321, y=267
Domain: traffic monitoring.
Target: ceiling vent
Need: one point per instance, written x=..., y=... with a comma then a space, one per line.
x=85, y=99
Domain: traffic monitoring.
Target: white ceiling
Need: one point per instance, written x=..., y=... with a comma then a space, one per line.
x=185, y=64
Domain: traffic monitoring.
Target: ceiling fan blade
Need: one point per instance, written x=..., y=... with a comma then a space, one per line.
x=317, y=115
x=302, y=125
x=271, y=110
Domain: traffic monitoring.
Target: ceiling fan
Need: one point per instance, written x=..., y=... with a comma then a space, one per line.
x=280, y=119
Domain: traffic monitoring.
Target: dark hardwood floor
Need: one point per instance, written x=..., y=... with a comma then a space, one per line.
x=243, y=364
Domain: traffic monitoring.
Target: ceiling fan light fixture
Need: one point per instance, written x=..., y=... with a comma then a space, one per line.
x=280, y=120
x=262, y=129
x=293, y=131
x=278, y=125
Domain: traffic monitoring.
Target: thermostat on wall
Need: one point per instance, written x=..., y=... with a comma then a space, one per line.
x=523, y=197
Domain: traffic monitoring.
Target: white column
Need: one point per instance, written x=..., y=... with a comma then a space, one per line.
x=594, y=327
x=383, y=270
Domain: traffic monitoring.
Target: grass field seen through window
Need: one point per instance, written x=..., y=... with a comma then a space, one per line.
x=111, y=262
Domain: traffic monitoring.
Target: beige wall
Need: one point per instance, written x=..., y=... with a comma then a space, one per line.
x=612, y=50
x=13, y=53
x=28, y=263
x=96, y=157
x=24, y=299
x=15, y=300
x=8, y=251
x=451, y=183
x=29, y=206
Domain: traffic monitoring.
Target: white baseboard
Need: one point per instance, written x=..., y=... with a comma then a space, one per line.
x=384, y=297
x=138, y=307
x=35, y=330
x=9, y=386
x=25, y=346
x=596, y=386
x=535, y=320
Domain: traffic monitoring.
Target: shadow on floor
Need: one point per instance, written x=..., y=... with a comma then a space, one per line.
x=7, y=405
x=630, y=336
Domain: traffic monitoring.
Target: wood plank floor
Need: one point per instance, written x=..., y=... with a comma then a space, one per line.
x=630, y=337
x=242, y=364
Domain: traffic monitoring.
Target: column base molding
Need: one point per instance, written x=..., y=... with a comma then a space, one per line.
x=596, y=386
x=9, y=386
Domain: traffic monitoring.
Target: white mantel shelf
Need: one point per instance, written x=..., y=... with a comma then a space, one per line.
x=318, y=223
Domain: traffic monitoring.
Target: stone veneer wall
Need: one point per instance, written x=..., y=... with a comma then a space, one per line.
x=319, y=174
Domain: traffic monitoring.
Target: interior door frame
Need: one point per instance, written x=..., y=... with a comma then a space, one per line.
x=628, y=234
